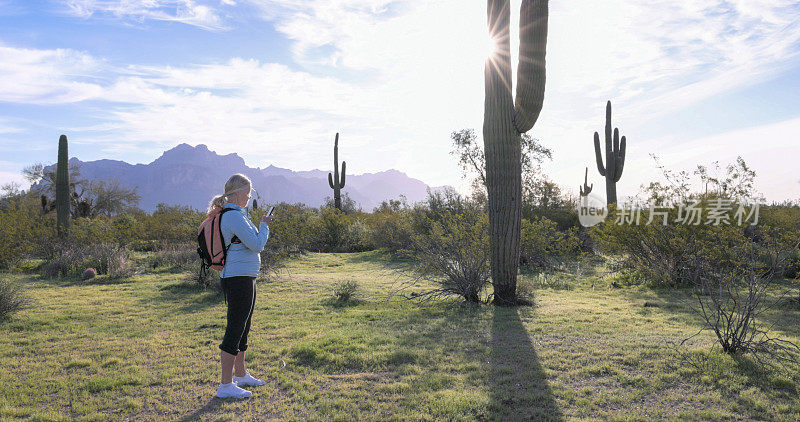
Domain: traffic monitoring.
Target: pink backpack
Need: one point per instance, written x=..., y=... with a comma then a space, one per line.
x=211, y=246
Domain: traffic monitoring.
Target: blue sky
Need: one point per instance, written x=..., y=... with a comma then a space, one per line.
x=273, y=80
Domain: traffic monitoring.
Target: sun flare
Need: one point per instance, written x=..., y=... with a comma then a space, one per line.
x=492, y=46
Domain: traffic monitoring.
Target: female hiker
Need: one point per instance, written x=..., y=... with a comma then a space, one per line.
x=238, y=281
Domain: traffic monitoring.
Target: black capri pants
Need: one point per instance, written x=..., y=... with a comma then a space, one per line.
x=240, y=293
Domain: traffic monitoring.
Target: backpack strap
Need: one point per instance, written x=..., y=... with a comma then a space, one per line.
x=233, y=240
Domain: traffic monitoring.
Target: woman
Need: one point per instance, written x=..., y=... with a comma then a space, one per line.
x=238, y=280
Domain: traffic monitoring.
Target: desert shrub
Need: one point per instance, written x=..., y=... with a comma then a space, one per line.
x=289, y=230
x=11, y=299
x=672, y=254
x=64, y=259
x=179, y=257
x=391, y=231
x=70, y=259
x=454, y=253
x=779, y=225
x=730, y=301
x=328, y=231
x=343, y=291
x=357, y=238
x=111, y=259
x=88, y=231
x=543, y=246
x=24, y=229
x=170, y=224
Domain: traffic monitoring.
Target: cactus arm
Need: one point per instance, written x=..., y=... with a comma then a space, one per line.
x=330, y=181
x=586, y=188
x=620, y=160
x=586, y=180
x=344, y=166
x=598, y=155
x=531, y=69
x=610, y=157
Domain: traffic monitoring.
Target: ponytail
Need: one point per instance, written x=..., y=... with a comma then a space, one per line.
x=237, y=182
x=216, y=203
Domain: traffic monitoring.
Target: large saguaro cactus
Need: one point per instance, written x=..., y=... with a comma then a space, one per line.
x=62, y=186
x=505, y=120
x=615, y=158
x=333, y=180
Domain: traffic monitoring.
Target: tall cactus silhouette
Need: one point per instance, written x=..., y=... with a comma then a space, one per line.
x=333, y=180
x=585, y=190
x=62, y=186
x=505, y=120
x=615, y=158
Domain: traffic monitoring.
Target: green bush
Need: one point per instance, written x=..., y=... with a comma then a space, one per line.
x=672, y=254
x=25, y=229
x=391, y=231
x=543, y=246
x=343, y=291
x=329, y=231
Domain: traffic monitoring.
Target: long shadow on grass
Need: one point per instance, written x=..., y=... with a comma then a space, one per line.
x=192, y=297
x=518, y=385
x=209, y=407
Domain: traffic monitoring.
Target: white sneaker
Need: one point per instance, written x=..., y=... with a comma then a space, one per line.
x=247, y=379
x=231, y=390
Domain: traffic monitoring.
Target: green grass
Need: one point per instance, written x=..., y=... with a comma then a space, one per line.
x=145, y=348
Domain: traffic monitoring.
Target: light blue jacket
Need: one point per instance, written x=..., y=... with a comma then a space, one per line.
x=243, y=259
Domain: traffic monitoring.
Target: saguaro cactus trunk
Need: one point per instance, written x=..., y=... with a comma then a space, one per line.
x=62, y=186
x=505, y=120
x=333, y=180
x=615, y=158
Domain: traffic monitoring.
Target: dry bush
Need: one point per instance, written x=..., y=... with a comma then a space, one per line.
x=180, y=257
x=454, y=254
x=731, y=302
x=70, y=259
x=11, y=299
x=202, y=276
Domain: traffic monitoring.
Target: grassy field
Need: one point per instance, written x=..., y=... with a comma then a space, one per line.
x=145, y=348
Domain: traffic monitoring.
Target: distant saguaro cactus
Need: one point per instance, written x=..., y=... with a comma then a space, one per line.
x=333, y=180
x=505, y=120
x=615, y=158
x=62, y=186
x=585, y=190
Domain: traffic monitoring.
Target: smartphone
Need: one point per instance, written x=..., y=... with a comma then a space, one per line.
x=269, y=213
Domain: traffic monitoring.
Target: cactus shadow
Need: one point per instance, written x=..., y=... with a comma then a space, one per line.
x=519, y=389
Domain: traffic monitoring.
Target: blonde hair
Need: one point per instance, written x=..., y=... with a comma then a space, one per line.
x=236, y=183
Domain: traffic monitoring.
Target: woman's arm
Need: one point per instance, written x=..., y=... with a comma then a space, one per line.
x=252, y=239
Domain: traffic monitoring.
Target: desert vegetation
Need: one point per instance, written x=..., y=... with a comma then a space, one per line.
x=642, y=311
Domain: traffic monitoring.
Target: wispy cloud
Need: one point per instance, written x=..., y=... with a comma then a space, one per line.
x=189, y=12
x=47, y=76
x=396, y=77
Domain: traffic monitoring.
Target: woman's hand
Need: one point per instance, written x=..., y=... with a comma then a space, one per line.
x=266, y=219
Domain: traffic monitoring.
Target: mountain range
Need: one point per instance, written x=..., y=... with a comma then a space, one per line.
x=187, y=175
